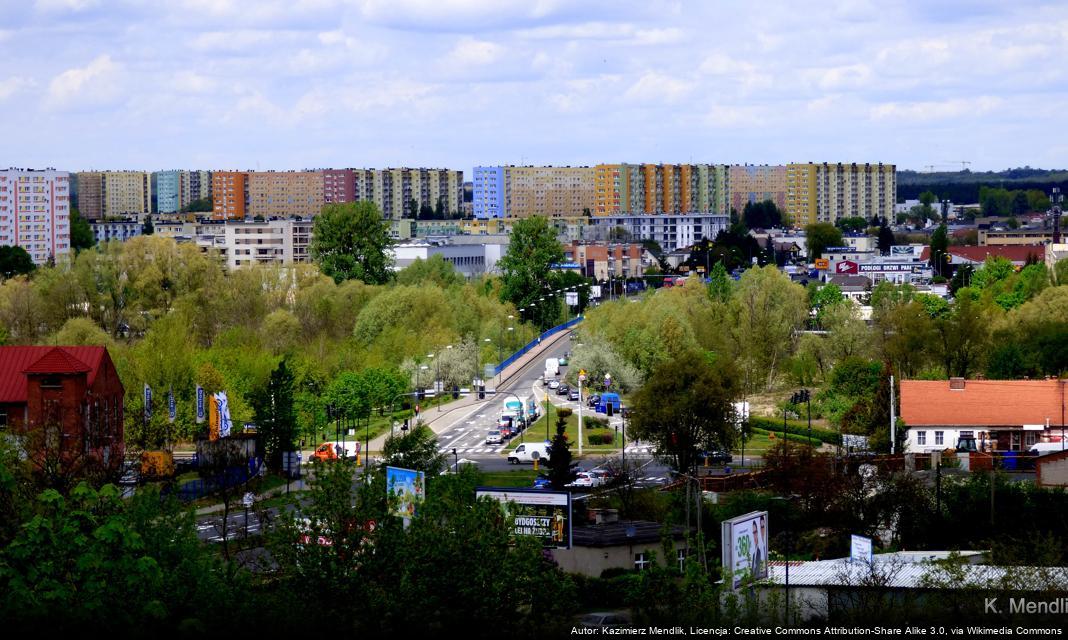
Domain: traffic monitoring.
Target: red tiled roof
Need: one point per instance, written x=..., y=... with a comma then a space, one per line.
x=15, y=361
x=983, y=402
x=1017, y=254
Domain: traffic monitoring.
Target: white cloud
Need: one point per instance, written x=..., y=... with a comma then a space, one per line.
x=853, y=75
x=94, y=84
x=65, y=5
x=11, y=86
x=469, y=52
x=620, y=32
x=244, y=40
x=935, y=110
x=191, y=82
x=658, y=88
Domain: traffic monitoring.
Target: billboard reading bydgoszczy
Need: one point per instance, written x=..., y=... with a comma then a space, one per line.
x=408, y=487
x=745, y=548
x=545, y=515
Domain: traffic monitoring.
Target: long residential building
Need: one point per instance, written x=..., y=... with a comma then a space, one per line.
x=522, y=192
x=752, y=183
x=175, y=189
x=826, y=192
x=35, y=212
x=104, y=194
x=661, y=188
x=279, y=194
x=229, y=191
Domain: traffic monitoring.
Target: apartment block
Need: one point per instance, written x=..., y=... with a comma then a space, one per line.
x=750, y=183
x=281, y=194
x=175, y=189
x=35, y=212
x=522, y=192
x=229, y=191
x=268, y=242
x=601, y=261
x=660, y=188
x=119, y=230
x=825, y=192
x=113, y=193
x=90, y=185
x=670, y=231
x=490, y=192
x=196, y=185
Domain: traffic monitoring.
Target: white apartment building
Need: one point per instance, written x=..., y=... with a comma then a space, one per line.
x=35, y=212
x=670, y=231
x=268, y=242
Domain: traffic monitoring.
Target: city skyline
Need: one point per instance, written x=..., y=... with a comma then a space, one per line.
x=326, y=83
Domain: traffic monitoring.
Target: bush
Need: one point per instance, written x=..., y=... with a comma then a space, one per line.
x=563, y=412
x=594, y=422
x=597, y=437
x=812, y=442
x=795, y=427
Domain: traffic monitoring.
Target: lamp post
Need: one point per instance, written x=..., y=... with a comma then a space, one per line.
x=448, y=347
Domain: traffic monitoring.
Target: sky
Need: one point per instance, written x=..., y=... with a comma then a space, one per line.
x=291, y=84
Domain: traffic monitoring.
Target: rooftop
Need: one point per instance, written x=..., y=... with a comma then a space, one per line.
x=986, y=403
x=623, y=532
x=16, y=362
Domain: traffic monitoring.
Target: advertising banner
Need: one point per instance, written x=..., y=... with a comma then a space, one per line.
x=172, y=408
x=408, y=487
x=860, y=549
x=823, y=264
x=845, y=266
x=572, y=298
x=545, y=515
x=595, y=291
x=201, y=409
x=222, y=405
x=745, y=548
x=148, y=402
x=890, y=268
x=903, y=250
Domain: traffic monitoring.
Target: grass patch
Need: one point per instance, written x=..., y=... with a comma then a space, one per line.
x=518, y=478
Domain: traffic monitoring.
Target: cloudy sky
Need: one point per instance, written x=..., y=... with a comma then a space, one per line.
x=288, y=84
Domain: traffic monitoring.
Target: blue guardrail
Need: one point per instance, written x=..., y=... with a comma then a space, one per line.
x=533, y=343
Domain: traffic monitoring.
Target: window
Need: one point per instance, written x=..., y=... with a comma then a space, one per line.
x=641, y=561
x=51, y=382
x=938, y=437
x=3, y=419
x=682, y=553
x=921, y=438
x=1030, y=438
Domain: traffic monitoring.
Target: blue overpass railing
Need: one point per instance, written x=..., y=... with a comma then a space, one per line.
x=533, y=343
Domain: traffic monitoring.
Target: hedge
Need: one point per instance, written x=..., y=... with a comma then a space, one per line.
x=812, y=442
x=601, y=438
x=795, y=427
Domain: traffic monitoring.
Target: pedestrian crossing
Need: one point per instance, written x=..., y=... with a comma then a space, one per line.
x=459, y=450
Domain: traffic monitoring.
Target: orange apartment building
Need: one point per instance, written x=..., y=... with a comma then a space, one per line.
x=602, y=261
x=282, y=194
x=229, y=189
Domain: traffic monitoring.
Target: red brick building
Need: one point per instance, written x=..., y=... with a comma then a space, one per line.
x=1006, y=415
x=67, y=401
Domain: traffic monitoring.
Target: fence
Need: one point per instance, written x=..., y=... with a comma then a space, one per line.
x=232, y=477
x=533, y=343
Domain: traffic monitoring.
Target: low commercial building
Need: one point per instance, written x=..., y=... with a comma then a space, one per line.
x=1014, y=236
x=120, y=230
x=470, y=260
x=602, y=261
x=1018, y=255
x=632, y=545
x=999, y=415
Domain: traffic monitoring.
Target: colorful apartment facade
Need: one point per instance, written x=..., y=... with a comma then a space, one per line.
x=752, y=183
x=282, y=194
x=114, y=193
x=525, y=191
x=228, y=193
x=826, y=192
x=660, y=188
x=35, y=212
x=176, y=189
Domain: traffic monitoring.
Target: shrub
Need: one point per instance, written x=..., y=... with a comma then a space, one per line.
x=795, y=427
x=597, y=437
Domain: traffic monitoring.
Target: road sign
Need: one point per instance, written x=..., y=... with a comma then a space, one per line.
x=823, y=264
x=572, y=298
x=248, y=499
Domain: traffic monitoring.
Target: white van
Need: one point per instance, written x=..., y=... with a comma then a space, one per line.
x=529, y=452
x=1043, y=448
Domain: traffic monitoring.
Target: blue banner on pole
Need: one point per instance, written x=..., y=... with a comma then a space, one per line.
x=148, y=402
x=172, y=408
x=201, y=413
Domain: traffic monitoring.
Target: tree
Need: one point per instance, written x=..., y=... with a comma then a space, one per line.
x=147, y=229
x=927, y=198
x=562, y=471
x=275, y=419
x=939, y=245
x=200, y=205
x=526, y=270
x=719, y=284
x=854, y=224
x=886, y=238
x=761, y=215
x=435, y=270
x=351, y=241
x=413, y=208
x=81, y=234
x=821, y=235
x=688, y=403
x=439, y=209
x=1020, y=203
x=417, y=450
x=765, y=312
x=15, y=261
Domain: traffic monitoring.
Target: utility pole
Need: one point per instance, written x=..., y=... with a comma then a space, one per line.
x=581, y=377
x=893, y=419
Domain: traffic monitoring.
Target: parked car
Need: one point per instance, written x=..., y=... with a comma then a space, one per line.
x=529, y=452
x=542, y=482
x=601, y=476
x=554, y=383
x=593, y=401
x=563, y=362
x=584, y=480
x=716, y=456
x=605, y=620
x=563, y=390
x=494, y=437
x=573, y=394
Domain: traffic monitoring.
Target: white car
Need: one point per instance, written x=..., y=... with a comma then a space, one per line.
x=553, y=384
x=494, y=437
x=583, y=480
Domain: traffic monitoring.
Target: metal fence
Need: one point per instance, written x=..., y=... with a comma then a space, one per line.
x=533, y=343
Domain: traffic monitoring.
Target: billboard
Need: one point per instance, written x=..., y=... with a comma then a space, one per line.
x=904, y=250
x=545, y=515
x=745, y=548
x=891, y=268
x=845, y=266
x=572, y=298
x=201, y=409
x=408, y=487
x=595, y=291
x=860, y=549
x=823, y=264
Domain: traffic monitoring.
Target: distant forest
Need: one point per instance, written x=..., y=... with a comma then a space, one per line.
x=962, y=187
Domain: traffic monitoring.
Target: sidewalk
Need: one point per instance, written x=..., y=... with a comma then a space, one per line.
x=444, y=417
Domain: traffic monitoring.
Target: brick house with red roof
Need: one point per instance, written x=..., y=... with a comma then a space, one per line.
x=66, y=401
x=1003, y=415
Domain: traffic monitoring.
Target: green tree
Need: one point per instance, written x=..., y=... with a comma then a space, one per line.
x=822, y=298
x=275, y=419
x=562, y=470
x=821, y=235
x=351, y=241
x=686, y=404
x=761, y=215
x=15, y=261
x=200, y=205
x=886, y=238
x=147, y=228
x=435, y=269
x=765, y=312
x=417, y=450
x=526, y=268
x=81, y=234
x=719, y=284
x=939, y=245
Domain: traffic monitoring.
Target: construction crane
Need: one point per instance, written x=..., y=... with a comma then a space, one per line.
x=963, y=164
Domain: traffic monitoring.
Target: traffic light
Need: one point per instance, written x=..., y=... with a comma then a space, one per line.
x=421, y=395
x=481, y=392
x=455, y=393
x=405, y=427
